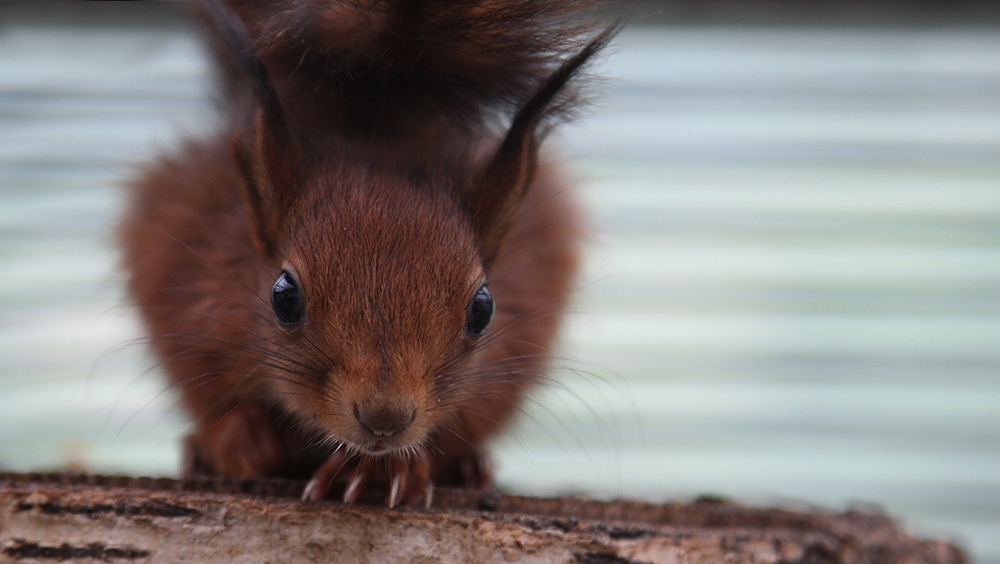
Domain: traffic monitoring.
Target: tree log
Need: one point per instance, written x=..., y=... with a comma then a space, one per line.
x=48, y=518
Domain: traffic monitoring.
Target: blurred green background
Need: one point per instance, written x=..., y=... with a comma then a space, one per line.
x=793, y=294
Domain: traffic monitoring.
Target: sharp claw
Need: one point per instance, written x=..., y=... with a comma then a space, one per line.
x=307, y=494
x=396, y=490
x=354, y=488
x=322, y=479
x=428, y=495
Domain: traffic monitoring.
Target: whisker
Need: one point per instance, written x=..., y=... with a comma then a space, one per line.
x=256, y=336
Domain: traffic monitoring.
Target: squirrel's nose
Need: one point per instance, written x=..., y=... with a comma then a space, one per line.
x=384, y=420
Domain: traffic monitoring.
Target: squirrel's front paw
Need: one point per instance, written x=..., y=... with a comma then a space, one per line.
x=407, y=481
x=243, y=444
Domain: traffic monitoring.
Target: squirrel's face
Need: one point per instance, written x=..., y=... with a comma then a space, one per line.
x=376, y=310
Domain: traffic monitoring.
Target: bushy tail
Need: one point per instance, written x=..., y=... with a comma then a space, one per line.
x=468, y=59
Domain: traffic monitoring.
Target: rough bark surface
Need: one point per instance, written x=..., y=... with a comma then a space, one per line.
x=48, y=518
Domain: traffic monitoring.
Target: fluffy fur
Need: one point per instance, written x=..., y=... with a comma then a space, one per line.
x=360, y=160
x=383, y=62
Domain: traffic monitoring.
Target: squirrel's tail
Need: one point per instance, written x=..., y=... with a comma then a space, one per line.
x=471, y=60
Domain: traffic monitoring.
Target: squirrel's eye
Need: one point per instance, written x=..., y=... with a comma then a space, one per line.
x=286, y=299
x=481, y=312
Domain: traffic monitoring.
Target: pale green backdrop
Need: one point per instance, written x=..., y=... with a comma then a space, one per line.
x=793, y=293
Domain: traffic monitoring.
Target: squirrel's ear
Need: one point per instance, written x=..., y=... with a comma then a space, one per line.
x=266, y=160
x=501, y=190
x=263, y=150
x=263, y=188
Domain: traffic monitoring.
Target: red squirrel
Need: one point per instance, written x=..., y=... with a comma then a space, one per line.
x=358, y=277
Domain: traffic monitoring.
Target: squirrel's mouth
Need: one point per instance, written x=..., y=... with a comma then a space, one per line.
x=378, y=447
x=384, y=447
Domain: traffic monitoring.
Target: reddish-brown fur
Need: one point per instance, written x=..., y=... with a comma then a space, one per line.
x=389, y=232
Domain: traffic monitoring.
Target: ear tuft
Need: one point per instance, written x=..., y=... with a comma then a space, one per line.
x=512, y=168
x=263, y=149
x=255, y=198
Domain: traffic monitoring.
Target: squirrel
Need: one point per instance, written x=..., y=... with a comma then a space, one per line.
x=358, y=277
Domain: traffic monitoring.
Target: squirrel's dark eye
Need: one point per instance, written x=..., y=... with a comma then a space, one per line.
x=286, y=299
x=481, y=312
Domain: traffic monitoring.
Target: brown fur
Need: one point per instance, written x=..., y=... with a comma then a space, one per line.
x=388, y=237
x=391, y=65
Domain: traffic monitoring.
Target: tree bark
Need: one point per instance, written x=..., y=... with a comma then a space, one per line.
x=48, y=518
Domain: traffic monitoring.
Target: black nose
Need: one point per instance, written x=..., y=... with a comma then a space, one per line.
x=385, y=420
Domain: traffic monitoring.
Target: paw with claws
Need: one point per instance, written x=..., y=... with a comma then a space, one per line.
x=407, y=480
x=245, y=443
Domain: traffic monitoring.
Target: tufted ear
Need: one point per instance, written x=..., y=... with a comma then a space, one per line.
x=511, y=170
x=263, y=149
x=266, y=159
